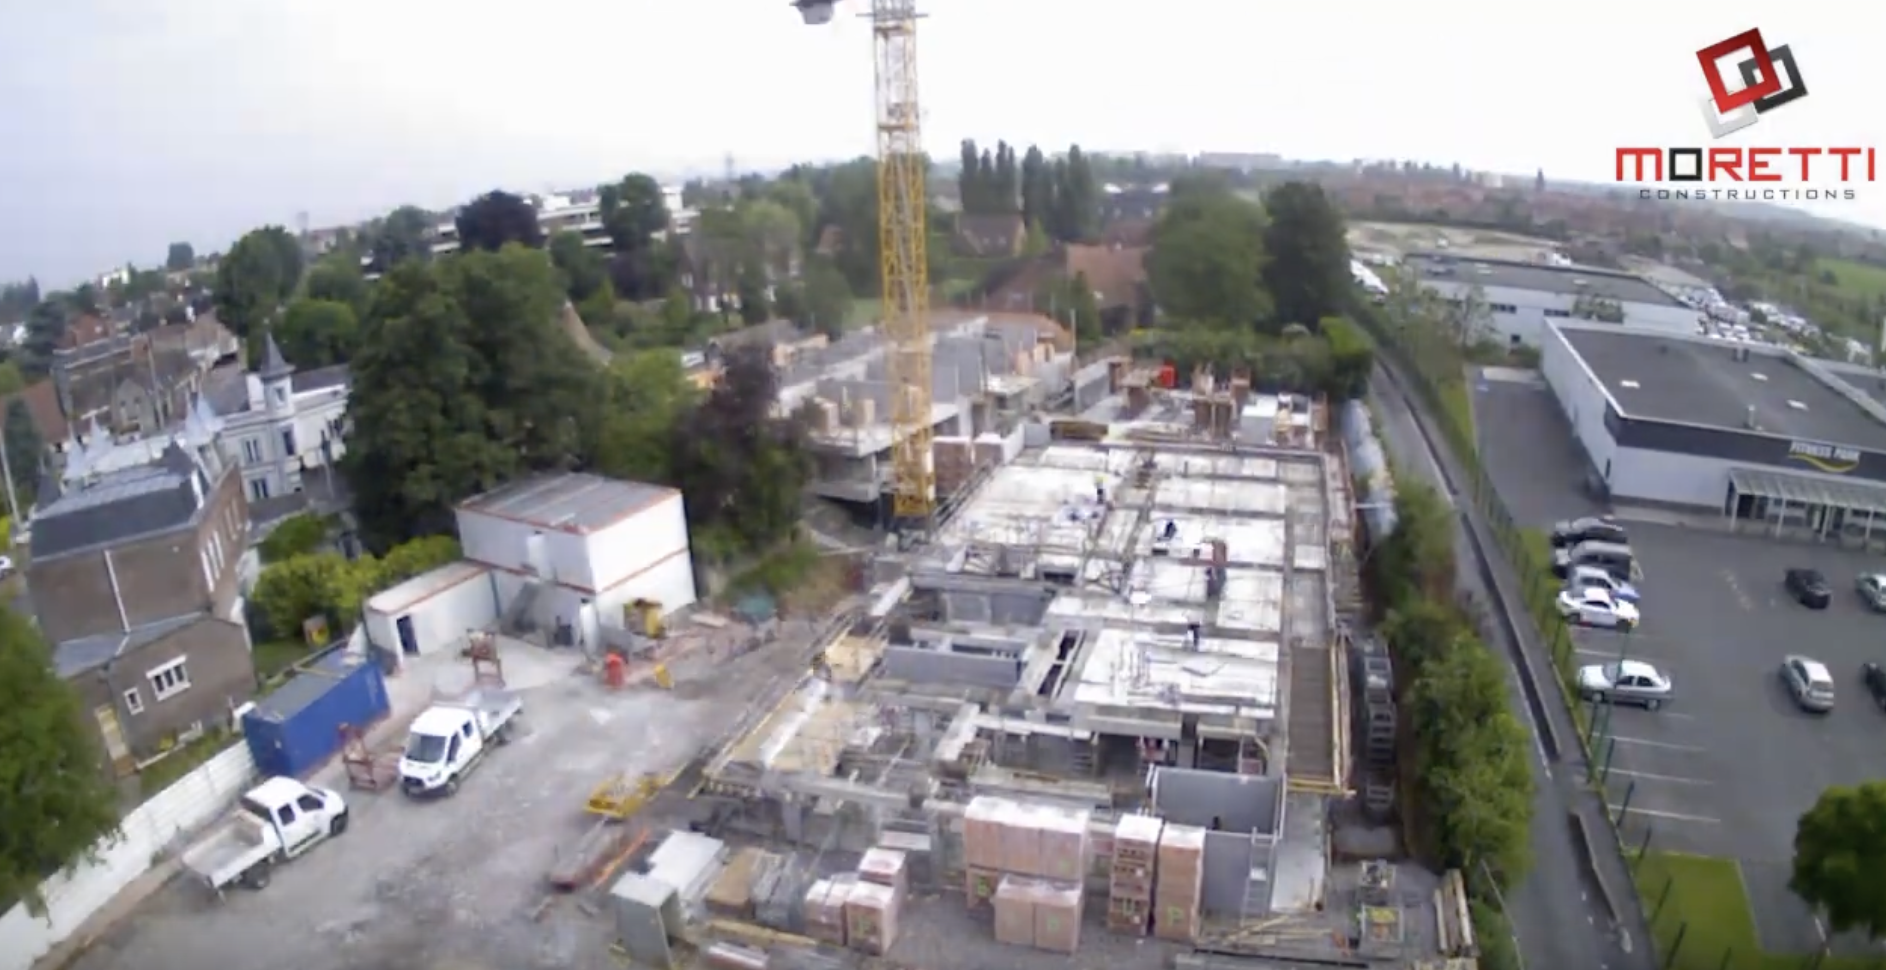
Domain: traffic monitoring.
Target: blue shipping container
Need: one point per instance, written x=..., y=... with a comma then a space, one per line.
x=292, y=731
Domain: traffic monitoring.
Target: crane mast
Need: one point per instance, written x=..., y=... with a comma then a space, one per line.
x=903, y=262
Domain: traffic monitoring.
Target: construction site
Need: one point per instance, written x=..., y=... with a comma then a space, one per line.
x=1105, y=709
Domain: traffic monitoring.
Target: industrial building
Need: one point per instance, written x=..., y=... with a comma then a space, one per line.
x=1518, y=300
x=1126, y=642
x=575, y=556
x=1756, y=432
x=987, y=369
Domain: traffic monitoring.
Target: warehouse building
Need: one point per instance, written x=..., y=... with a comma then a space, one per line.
x=1521, y=299
x=1760, y=433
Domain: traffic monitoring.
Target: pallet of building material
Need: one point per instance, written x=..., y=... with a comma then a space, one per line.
x=1021, y=839
x=980, y=886
x=1061, y=841
x=824, y=911
x=1058, y=917
x=982, y=832
x=886, y=867
x=731, y=895
x=871, y=917
x=1130, y=916
x=1014, y=904
x=1136, y=840
x=1178, y=883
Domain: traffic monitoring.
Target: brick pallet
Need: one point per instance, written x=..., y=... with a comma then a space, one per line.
x=1179, y=883
x=1130, y=881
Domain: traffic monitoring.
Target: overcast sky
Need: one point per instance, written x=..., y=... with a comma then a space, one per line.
x=130, y=123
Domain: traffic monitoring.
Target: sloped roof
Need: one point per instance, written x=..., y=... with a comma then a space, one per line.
x=1114, y=272
x=989, y=235
x=42, y=402
x=78, y=655
x=119, y=506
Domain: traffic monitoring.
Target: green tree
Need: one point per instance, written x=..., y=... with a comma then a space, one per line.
x=25, y=450
x=464, y=379
x=827, y=296
x=44, y=326
x=583, y=268
x=57, y=804
x=634, y=212
x=1207, y=261
x=795, y=196
x=497, y=219
x=405, y=233
x=316, y=333
x=337, y=278
x=744, y=470
x=1037, y=190
x=1839, y=854
x=180, y=258
x=298, y=535
x=1308, y=273
x=1352, y=356
x=255, y=277
x=11, y=380
x=969, y=187
x=1075, y=213
x=756, y=306
x=649, y=397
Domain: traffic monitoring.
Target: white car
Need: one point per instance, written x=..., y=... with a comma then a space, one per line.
x=1625, y=682
x=1588, y=577
x=1592, y=606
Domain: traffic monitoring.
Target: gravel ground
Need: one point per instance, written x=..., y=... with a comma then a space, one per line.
x=940, y=933
x=452, y=884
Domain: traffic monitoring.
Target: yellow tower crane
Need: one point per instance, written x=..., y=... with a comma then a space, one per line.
x=903, y=262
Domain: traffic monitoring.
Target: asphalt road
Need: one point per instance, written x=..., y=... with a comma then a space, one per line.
x=1557, y=913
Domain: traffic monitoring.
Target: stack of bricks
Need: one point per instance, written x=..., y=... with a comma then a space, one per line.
x=1178, y=883
x=1130, y=889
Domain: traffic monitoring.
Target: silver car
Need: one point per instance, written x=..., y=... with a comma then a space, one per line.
x=1809, y=683
x=1626, y=682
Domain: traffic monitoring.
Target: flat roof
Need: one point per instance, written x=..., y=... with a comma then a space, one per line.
x=1669, y=377
x=577, y=503
x=1564, y=280
x=406, y=595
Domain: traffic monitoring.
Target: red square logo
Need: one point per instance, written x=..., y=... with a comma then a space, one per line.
x=1768, y=81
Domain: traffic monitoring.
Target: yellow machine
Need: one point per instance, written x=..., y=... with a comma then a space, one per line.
x=903, y=262
x=622, y=795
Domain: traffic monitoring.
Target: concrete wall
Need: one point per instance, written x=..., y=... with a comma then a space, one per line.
x=1241, y=803
x=925, y=665
x=1579, y=395
x=1092, y=384
x=995, y=609
x=1227, y=873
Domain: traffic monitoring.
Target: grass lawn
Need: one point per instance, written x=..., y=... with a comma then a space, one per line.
x=1704, y=899
x=1855, y=279
x=275, y=656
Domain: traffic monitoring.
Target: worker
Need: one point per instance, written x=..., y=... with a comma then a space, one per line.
x=1100, y=490
x=1194, y=633
x=1172, y=530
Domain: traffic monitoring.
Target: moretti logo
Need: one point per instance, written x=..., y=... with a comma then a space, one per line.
x=1827, y=458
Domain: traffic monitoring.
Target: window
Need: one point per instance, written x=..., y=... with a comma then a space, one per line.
x=281, y=395
x=209, y=571
x=170, y=679
x=1559, y=314
x=1502, y=308
x=288, y=441
x=134, y=701
x=251, y=451
x=309, y=804
x=258, y=490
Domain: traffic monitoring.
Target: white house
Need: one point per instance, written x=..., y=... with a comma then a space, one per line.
x=566, y=554
x=279, y=423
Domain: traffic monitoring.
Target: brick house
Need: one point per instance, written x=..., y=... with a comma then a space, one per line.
x=990, y=236
x=134, y=576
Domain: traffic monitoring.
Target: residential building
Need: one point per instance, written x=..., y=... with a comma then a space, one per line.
x=576, y=558
x=1117, y=275
x=1132, y=203
x=1514, y=302
x=279, y=426
x=579, y=211
x=133, y=384
x=993, y=236
x=135, y=581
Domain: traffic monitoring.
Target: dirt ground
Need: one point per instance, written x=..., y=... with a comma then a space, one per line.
x=1396, y=239
x=454, y=884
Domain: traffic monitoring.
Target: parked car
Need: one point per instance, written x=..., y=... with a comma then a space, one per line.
x=1590, y=528
x=1809, y=588
x=1874, y=677
x=1594, y=577
x=1596, y=607
x=1625, y=682
x=1872, y=587
x=448, y=740
x=1809, y=683
x=276, y=821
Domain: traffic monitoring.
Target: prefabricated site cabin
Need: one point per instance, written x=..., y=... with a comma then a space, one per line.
x=569, y=554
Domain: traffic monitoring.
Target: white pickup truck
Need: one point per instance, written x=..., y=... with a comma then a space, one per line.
x=276, y=821
x=449, y=739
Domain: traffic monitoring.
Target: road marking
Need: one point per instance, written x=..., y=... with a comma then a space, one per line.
x=1647, y=776
x=1673, y=816
x=1658, y=744
x=1735, y=587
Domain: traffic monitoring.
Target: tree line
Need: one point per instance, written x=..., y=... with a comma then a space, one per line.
x=1059, y=197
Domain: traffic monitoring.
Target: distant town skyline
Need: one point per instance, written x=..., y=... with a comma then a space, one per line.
x=136, y=126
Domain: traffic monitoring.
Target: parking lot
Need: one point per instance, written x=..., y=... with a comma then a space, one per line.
x=453, y=884
x=1728, y=767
